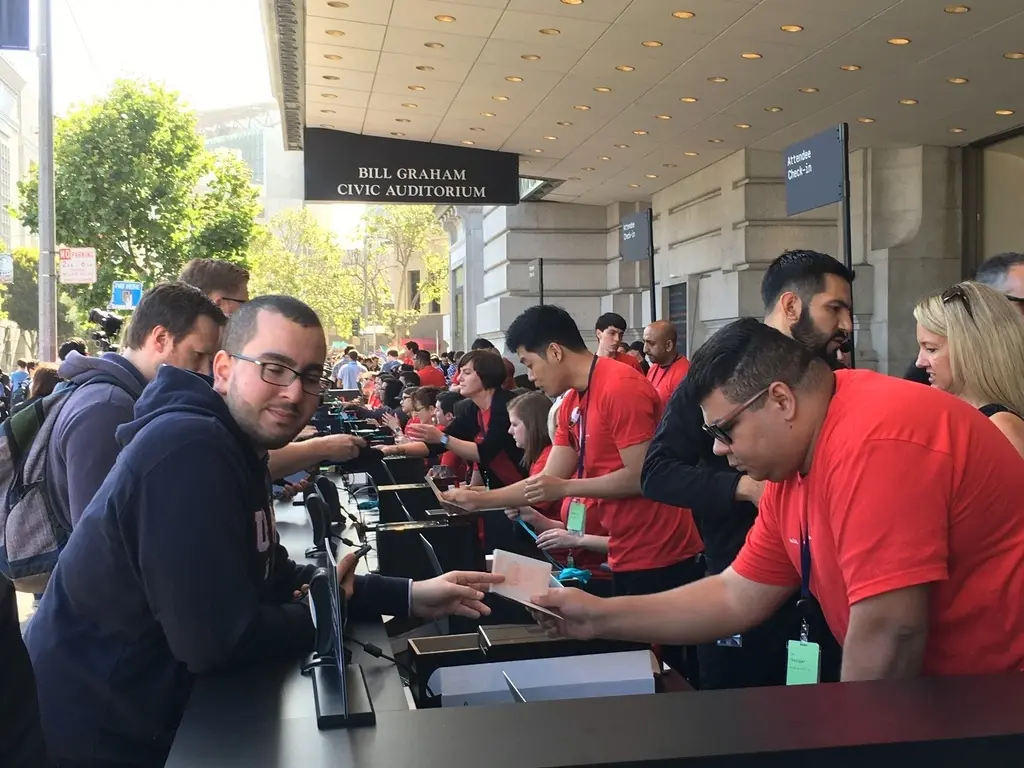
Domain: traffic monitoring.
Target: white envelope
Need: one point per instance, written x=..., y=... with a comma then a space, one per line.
x=524, y=578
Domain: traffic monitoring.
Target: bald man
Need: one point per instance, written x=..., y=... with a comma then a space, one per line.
x=668, y=367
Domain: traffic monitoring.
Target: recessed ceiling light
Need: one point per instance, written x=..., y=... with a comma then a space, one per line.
x=850, y=67
x=715, y=141
x=327, y=111
x=634, y=186
x=604, y=157
x=625, y=68
x=651, y=175
x=486, y=114
x=476, y=129
x=331, y=77
x=524, y=161
x=514, y=79
x=898, y=41
x=718, y=79
x=603, y=89
x=444, y=17
x=808, y=90
x=468, y=141
x=683, y=14
x=1014, y=55
x=1004, y=112
x=538, y=151
x=435, y=46
x=574, y=178
x=865, y=119
x=742, y=125
x=691, y=154
x=750, y=55
x=332, y=57
x=908, y=102
x=563, y=122
x=669, y=165
x=663, y=117
x=417, y=88
x=335, y=33
x=410, y=105
x=329, y=95
x=586, y=168
x=402, y=120
x=956, y=80
x=688, y=99
x=397, y=133
x=639, y=132
x=551, y=138
x=651, y=44
x=773, y=109
x=337, y=4
x=581, y=107
x=530, y=57
x=550, y=31
x=500, y=98
x=572, y=2
x=956, y=9
x=791, y=28
x=425, y=68
x=622, y=146
x=957, y=130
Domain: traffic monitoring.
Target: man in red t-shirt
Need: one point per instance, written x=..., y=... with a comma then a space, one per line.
x=609, y=329
x=668, y=366
x=430, y=375
x=905, y=502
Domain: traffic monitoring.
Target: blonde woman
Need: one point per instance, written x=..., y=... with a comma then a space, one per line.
x=971, y=344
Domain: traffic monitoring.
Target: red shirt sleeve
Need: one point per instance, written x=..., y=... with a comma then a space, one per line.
x=763, y=558
x=633, y=419
x=562, y=431
x=890, y=533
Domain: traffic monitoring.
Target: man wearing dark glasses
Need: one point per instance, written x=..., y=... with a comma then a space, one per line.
x=806, y=295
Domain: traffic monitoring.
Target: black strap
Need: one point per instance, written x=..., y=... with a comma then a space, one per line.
x=992, y=409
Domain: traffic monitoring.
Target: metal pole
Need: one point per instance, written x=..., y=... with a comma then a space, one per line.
x=540, y=278
x=47, y=341
x=844, y=139
x=650, y=258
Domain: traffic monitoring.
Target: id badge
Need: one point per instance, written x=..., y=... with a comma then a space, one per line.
x=803, y=663
x=576, y=518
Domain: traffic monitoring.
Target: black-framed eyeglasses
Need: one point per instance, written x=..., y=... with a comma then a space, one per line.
x=955, y=293
x=719, y=428
x=282, y=376
x=237, y=301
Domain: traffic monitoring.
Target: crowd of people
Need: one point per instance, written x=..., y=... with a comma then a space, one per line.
x=757, y=513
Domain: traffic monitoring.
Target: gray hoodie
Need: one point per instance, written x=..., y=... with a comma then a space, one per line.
x=83, y=448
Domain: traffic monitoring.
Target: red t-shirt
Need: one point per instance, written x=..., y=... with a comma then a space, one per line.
x=432, y=376
x=629, y=360
x=621, y=409
x=458, y=465
x=908, y=486
x=665, y=379
x=412, y=420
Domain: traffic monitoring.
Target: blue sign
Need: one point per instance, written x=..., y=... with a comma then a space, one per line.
x=14, y=25
x=125, y=295
x=814, y=171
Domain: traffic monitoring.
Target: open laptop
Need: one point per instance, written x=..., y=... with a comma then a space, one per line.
x=513, y=689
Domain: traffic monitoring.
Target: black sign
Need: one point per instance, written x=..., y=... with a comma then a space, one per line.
x=635, y=236
x=14, y=25
x=814, y=171
x=354, y=168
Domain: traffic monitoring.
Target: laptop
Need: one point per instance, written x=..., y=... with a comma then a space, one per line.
x=516, y=693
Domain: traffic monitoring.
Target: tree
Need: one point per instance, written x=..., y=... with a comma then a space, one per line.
x=134, y=182
x=392, y=236
x=297, y=256
x=20, y=298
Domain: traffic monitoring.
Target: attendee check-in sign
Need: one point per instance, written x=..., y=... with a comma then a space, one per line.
x=813, y=169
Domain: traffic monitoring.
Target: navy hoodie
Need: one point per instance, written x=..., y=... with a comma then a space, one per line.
x=174, y=570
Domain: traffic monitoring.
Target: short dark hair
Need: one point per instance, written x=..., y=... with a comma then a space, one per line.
x=993, y=271
x=803, y=273
x=71, y=345
x=610, y=320
x=391, y=395
x=174, y=306
x=409, y=392
x=541, y=325
x=409, y=378
x=215, y=276
x=426, y=397
x=354, y=355
x=242, y=325
x=745, y=357
x=448, y=400
x=481, y=344
x=489, y=367
x=412, y=346
x=392, y=353
x=423, y=357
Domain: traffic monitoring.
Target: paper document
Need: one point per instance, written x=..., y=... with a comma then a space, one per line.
x=524, y=578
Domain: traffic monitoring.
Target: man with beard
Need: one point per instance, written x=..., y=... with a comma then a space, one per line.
x=806, y=295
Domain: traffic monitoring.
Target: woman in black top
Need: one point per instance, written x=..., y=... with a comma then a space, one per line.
x=480, y=431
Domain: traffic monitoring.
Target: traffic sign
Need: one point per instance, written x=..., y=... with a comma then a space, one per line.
x=6, y=268
x=77, y=265
x=125, y=294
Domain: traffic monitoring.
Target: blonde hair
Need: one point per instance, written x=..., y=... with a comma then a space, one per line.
x=985, y=337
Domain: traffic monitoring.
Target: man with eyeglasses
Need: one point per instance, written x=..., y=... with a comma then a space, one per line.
x=806, y=295
x=176, y=570
x=914, y=578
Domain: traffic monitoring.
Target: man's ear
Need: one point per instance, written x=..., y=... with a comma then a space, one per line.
x=222, y=364
x=792, y=306
x=160, y=340
x=782, y=399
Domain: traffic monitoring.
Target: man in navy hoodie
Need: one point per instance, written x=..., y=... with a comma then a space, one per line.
x=175, y=569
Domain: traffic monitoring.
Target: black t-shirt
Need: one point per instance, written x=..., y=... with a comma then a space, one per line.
x=21, y=738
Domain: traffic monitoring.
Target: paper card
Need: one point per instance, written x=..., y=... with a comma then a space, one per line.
x=524, y=578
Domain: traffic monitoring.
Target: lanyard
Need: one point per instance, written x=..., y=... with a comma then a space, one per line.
x=582, y=418
x=805, y=601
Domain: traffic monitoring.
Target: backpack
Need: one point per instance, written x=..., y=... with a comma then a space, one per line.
x=33, y=529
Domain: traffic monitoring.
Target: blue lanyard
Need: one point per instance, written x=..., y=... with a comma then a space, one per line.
x=582, y=418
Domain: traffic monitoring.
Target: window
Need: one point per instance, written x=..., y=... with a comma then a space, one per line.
x=677, y=312
x=5, y=195
x=414, y=289
x=434, y=308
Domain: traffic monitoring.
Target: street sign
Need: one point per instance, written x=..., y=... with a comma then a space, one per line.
x=814, y=171
x=125, y=295
x=6, y=268
x=14, y=25
x=635, y=236
x=77, y=265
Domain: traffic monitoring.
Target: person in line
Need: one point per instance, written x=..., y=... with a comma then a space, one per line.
x=510, y=368
x=74, y=344
x=392, y=364
x=20, y=374
x=411, y=348
x=1005, y=273
x=668, y=364
x=226, y=283
x=914, y=578
x=971, y=342
x=609, y=329
x=636, y=351
x=21, y=735
x=175, y=569
x=430, y=375
x=480, y=431
x=812, y=293
x=348, y=371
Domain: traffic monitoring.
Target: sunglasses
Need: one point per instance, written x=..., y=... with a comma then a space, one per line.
x=719, y=429
x=957, y=293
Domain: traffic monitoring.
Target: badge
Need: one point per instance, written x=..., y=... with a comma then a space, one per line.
x=803, y=663
x=576, y=519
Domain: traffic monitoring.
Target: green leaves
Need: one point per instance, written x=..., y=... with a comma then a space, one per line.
x=133, y=181
x=20, y=298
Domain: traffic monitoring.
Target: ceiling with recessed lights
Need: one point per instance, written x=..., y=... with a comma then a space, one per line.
x=617, y=99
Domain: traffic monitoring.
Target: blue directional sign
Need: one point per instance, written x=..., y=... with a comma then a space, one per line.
x=126, y=295
x=814, y=171
x=14, y=25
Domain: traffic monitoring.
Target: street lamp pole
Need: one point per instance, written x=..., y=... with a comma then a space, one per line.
x=47, y=342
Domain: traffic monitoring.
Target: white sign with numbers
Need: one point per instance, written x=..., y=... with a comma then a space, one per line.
x=77, y=265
